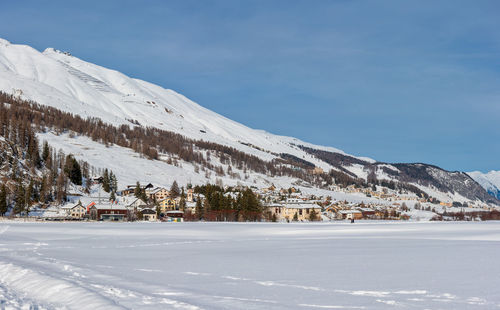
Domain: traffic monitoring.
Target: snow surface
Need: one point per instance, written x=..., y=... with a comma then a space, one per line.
x=366, y=265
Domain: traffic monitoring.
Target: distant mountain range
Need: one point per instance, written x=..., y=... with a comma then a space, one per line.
x=67, y=83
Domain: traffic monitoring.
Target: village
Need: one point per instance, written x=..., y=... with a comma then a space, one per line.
x=146, y=202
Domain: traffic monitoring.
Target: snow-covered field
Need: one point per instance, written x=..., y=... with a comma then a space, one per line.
x=366, y=265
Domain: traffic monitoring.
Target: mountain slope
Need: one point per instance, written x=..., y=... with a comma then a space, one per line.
x=65, y=82
x=489, y=181
x=59, y=80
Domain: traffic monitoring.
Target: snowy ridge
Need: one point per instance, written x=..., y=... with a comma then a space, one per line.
x=489, y=181
x=65, y=82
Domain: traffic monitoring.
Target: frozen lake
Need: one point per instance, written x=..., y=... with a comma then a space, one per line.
x=370, y=265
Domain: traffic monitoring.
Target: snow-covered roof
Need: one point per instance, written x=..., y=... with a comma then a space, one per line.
x=301, y=206
x=366, y=209
x=109, y=206
x=349, y=211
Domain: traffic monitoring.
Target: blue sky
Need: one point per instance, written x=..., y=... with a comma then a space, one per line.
x=398, y=81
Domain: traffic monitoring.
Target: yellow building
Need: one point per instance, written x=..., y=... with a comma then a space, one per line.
x=169, y=204
x=317, y=170
x=287, y=211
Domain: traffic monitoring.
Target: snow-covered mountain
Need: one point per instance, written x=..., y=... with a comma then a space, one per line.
x=65, y=82
x=489, y=181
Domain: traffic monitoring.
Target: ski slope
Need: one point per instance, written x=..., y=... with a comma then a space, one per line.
x=367, y=265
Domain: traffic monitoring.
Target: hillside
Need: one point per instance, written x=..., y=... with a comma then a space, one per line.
x=153, y=133
x=65, y=82
x=489, y=181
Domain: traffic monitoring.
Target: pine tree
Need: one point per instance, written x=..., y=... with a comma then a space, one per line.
x=44, y=189
x=33, y=152
x=313, y=215
x=174, y=190
x=113, y=182
x=137, y=190
x=88, y=185
x=144, y=196
x=73, y=170
x=206, y=208
x=20, y=196
x=182, y=204
x=35, y=193
x=249, y=205
x=61, y=188
x=76, y=173
x=199, y=208
x=3, y=200
x=105, y=181
x=112, y=197
x=28, y=196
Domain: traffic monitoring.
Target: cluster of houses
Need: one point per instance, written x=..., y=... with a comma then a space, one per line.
x=353, y=211
x=289, y=204
x=127, y=206
x=294, y=209
x=284, y=203
x=383, y=193
x=279, y=204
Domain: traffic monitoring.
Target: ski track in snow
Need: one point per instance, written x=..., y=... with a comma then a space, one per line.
x=70, y=289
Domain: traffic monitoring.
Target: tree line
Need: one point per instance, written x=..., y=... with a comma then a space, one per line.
x=31, y=174
x=149, y=141
x=225, y=205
